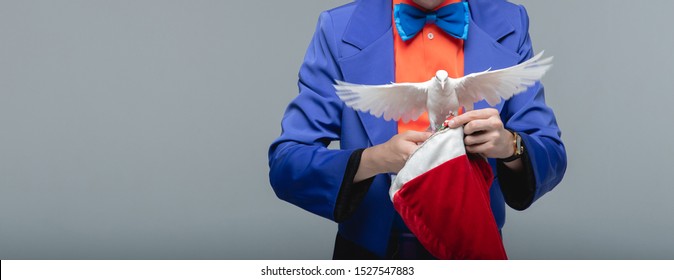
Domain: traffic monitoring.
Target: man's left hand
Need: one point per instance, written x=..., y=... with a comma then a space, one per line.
x=484, y=133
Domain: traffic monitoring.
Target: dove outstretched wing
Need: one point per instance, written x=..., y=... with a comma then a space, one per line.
x=406, y=101
x=503, y=83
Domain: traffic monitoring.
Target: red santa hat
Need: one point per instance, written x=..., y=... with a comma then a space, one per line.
x=442, y=194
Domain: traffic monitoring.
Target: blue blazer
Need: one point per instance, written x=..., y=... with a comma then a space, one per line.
x=354, y=43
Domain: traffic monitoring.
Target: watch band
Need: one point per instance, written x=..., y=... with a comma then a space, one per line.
x=517, y=146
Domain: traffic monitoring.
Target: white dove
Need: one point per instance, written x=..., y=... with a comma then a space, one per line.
x=442, y=96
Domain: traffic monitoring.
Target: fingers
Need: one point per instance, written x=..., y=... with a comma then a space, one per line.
x=496, y=143
x=394, y=153
x=471, y=116
x=416, y=136
x=484, y=149
x=476, y=126
x=484, y=133
x=491, y=124
x=479, y=138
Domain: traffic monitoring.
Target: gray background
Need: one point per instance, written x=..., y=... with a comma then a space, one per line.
x=139, y=129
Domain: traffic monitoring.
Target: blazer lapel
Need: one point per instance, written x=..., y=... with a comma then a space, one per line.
x=482, y=50
x=369, y=30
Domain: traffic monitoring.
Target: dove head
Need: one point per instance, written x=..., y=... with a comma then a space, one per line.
x=441, y=76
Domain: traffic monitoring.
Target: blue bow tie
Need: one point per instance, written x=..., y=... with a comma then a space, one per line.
x=453, y=19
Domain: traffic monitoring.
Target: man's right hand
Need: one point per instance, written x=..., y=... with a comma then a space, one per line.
x=390, y=156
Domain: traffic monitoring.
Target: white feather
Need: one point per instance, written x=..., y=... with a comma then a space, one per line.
x=407, y=101
x=504, y=83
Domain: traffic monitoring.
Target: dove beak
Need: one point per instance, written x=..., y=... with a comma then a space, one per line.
x=442, y=85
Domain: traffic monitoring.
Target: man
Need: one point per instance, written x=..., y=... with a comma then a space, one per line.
x=362, y=43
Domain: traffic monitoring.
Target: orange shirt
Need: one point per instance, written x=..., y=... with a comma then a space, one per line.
x=419, y=58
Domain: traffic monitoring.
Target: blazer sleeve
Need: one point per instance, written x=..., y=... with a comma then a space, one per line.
x=303, y=171
x=528, y=114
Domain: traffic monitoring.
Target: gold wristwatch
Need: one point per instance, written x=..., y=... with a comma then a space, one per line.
x=517, y=146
